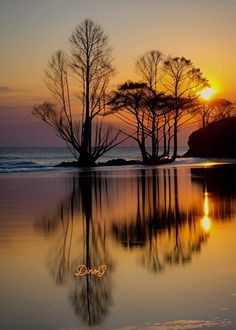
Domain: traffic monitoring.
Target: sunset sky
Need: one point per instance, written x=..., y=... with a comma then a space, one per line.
x=30, y=31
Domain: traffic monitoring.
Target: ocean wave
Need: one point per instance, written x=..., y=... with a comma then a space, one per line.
x=23, y=166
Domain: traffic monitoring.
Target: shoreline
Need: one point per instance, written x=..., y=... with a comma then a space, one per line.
x=129, y=166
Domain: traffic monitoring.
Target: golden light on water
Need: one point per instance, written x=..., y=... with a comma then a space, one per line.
x=206, y=222
x=207, y=93
x=206, y=204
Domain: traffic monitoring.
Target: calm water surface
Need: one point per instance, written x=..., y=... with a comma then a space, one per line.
x=167, y=236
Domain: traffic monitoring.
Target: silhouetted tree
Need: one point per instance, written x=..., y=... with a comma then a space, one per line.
x=223, y=109
x=148, y=67
x=156, y=107
x=128, y=104
x=140, y=108
x=91, y=65
x=145, y=106
x=204, y=114
x=183, y=82
x=214, y=110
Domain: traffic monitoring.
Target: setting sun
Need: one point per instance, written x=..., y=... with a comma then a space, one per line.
x=207, y=93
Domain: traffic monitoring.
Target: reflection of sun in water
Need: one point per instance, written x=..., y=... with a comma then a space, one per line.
x=207, y=93
x=206, y=222
x=206, y=204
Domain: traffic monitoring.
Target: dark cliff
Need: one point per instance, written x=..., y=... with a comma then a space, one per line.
x=218, y=139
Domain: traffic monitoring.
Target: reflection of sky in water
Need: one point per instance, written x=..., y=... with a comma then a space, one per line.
x=167, y=237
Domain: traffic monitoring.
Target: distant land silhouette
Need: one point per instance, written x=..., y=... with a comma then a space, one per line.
x=218, y=139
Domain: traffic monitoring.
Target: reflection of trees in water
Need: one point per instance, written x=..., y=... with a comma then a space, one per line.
x=89, y=295
x=166, y=233
x=144, y=210
x=178, y=248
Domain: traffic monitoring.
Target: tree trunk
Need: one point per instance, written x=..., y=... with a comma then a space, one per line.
x=175, y=136
x=86, y=158
x=154, y=146
x=165, y=144
x=143, y=152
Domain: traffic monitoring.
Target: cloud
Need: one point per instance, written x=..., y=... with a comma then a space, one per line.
x=10, y=90
x=6, y=90
x=12, y=107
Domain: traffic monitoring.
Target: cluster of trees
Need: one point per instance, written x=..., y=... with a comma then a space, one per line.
x=153, y=109
x=214, y=110
x=160, y=104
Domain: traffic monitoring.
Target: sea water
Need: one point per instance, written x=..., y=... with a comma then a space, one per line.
x=165, y=235
x=44, y=159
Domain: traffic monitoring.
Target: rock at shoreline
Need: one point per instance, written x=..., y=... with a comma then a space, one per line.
x=112, y=162
x=218, y=139
x=119, y=162
x=68, y=164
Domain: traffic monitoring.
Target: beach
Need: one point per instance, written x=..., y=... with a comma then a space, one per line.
x=166, y=235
